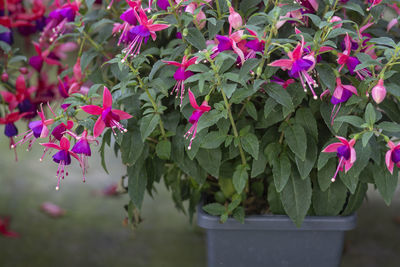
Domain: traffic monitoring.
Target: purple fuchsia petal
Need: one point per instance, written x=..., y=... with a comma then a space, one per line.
x=343, y=151
x=6, y=37
x=58, y=131
x=10, y=130
x=345, y=96
x=36, y=127
x=82, y=147
x=36, y=62
x=67, y=13
x=179, y=74
x=352, y=63
x=188, y=74
x=163, y=4
x=139, y=30
x=300, y=65
x=223, y=43
x=195, y=116
x=129, y=16
x=62, y=155
x=26, y=106
x=396, y=155
x=255, y=45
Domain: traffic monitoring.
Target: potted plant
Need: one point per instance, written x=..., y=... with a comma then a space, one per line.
x=281, y=114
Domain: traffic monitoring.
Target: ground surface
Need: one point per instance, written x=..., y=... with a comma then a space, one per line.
x=91, y=233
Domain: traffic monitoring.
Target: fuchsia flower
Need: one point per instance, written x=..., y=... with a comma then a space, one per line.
x=38, y=129
x=299, y=64
x=140, y=33
x=345, y=152
x=351, y=62
x=181, y=74
x=43, y=56
x=62, y=157
x=199, y=17
x=21, y=98
x=374, y=3
x=230, y=42
x=4, y=228
x=108, y=117
x=393, y=21
x=255, y=45
x=195, y=117
x=341, y=94
x=379, y=92
x=10, y=130
x=393, y=156
x=74, y=85
x=282, y=82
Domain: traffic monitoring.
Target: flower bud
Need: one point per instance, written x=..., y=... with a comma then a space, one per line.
x=235, y=20
x=335, y=19
x=23, y=70
x=379, y=92
x=4, y=77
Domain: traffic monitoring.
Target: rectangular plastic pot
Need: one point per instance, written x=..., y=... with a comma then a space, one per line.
x=273, y=240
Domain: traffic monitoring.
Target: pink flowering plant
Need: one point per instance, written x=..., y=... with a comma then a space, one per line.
x=251, y=107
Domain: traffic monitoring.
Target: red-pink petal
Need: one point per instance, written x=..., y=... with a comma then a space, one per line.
x=157, y=27
x=351, y=89
x=92, y=109
x=283, y=63
x=332, y=147
x=107, y=98
x=353, y=155
x=343, y=140
x=64, y=143
x=98, y=127
x=389, y=162
x=172, y=63
x=192, y=100
x=122, y=114
x=51, y=145
x=190, y=62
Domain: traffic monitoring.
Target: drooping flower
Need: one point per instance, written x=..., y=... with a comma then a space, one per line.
x=195, y=117
x=379, y=92
x=108, y=117
x=199, y=16
x=345, y=152
x=43, y=56
x=392, y=156
x=62, y=157
x=21, y=98
x=336, y=19
x=37, y=129
x=235, y=20
x=255, y=45
x=230, y=42
x=351, y=62
x=341, y=94
x=4, y=227
x=181, y=74
x=10, y=130
x=141, y=33
x=298, y=65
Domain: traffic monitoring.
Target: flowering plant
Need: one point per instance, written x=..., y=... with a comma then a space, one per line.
x=284, y=107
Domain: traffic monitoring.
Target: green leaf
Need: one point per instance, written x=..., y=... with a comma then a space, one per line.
x=5, y=47
x=163, y=149
x=212, y=140
x=269, y=106
x=209, y=119
x=196, y=38
x=210, y=160
x=306, y=118
x=353, y=120
x=239, y=214
x=326, y=173
x=89, y=3
x=389, y=126
x=296, y=138
x=250, y=144
x=296, y=197
x=240, y=177
x=131, y=147
x=356, y=199
x=281, y=172
x=327, y=76
x=307, y=165
x=331, y=201
x=148, y=124
x=86, y=58
x=383, y=41
x=251, y=110
x=385, y=182
x=214, y=209
x=249, y=64
x=137, y=181
x=370, y=115
x=259, y=165
x=274, y=200
x=365, y=138
x=279, y=95
x=354, y=6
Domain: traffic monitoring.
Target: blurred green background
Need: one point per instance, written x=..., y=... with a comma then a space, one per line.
x=92, y=233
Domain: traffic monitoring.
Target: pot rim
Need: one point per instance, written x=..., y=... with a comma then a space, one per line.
x=277, y=222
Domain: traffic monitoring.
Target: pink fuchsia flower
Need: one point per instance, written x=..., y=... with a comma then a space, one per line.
x=38, y=129
x=21, y=98
x=341, y=94
x=351, y=62
x=282, y=82
x=235, y=20
x=4, y=228
x=108, y=117
x=392, y=156
x=62, y=157
x=195, y=117
x=345, y=152
x=255, y=45
x=181, y=74
x=10, y=130
x=311, y=6
x=199, y=17
x=298, y=65
x=43, y=56
x=379, y=92
x=395, y=20
x=336, y=19
x=52, y=209
x=140, y=33
x=230, y=42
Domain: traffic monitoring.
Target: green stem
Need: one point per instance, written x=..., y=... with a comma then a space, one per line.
x=95, y=44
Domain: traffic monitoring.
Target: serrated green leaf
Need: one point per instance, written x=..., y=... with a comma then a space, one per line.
x=250, y=144
x=214, y=209
x=356, y=199
x=305, y=167
x=196, y=38
x=370, y=115
x=331, y=201
x=281, y=172
x=137, y=181
x=240, y=177
x=385, y=182
x=296, y=138
x=258, y=165
x=212, y=140
x=163, y=149
x=305, y=118
x=279, y=95
x=210, y=160
x=148, y=124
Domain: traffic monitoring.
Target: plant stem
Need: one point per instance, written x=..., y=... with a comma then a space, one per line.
x=95, y=44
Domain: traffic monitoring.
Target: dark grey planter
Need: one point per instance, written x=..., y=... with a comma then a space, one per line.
x=273, y=240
